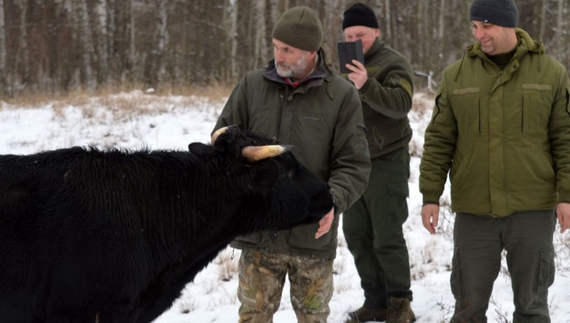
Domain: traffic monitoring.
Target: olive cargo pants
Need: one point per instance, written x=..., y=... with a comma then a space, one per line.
x=373, y=231
x=479, y=242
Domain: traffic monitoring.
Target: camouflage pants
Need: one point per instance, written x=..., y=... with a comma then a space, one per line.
x=261, y=280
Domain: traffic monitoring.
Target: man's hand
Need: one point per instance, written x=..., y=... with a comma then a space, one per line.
x=563, y=214
x=430, y=217
x=359, y=76
x=325, y=224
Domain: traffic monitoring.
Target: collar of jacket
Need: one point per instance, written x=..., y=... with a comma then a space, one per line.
x=376, y=47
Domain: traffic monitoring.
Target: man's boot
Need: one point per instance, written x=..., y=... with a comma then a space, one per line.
x=365, y=314
x=400, y=311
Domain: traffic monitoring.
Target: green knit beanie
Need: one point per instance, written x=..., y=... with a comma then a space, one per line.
x=299, y=27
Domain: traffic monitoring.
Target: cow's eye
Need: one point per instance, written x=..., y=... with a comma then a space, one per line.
x=283, y=176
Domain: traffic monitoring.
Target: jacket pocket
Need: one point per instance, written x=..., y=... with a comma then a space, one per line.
x=536, y=108
x=399, y=189
x=546, y=270
x=467, y=110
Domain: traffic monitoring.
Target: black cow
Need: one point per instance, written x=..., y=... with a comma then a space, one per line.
x=88, y=235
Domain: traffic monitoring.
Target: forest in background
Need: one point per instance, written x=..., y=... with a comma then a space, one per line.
x=55, y=46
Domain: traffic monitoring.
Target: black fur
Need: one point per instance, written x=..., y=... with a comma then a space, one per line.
x=114, y=236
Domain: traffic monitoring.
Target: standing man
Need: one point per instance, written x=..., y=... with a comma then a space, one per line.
x=300, y=102
x=373, y=225
x=501, y=127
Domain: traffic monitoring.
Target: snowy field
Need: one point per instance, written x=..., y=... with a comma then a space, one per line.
x=135, y=120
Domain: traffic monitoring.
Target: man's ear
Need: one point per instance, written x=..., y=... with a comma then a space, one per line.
x=201, y=150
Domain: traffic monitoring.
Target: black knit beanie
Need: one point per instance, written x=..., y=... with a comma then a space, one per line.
x=497, y=12
x=299, y=27
x=359, y=15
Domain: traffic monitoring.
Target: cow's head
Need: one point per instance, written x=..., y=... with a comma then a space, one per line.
x=271, y=180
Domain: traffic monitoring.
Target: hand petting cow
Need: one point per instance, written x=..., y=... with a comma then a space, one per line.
x=90, y=235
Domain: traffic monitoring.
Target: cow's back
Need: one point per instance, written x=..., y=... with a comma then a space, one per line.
x=72, y=230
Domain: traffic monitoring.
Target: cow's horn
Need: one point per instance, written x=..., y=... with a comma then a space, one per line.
x=218, y=132
x=256, y=153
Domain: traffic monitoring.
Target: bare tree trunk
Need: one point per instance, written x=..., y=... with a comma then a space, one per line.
x=332, y=25
x=387, y=13
x=441, y=31
x=559, y=28
x=102, y=42
x=163, y=37
x=232, y=37
x=3, y=87
x=421, y=28
x=155, y=63
x=132, y=54
x=260, y=32
x=124, y=42
x=23, y=56
x=85, y=42
x=250, y=32
x=542, y=16
x=112, y=33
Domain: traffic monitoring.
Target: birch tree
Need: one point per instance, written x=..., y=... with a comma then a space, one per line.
x=154, y=63
x=64, y=44
x=2, y=49
x=231, y=36
x=85, y=42
x=260, y=44
x=560, y=27
x=129, y=41
x=100, y=12
x=23, y=56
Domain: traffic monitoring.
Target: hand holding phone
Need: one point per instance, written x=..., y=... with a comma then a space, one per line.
x=347, y=51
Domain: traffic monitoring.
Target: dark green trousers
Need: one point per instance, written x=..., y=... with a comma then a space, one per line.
x=373, y=231
x=479, y=242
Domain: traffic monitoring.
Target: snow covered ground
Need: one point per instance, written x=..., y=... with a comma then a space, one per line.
x=136, y=119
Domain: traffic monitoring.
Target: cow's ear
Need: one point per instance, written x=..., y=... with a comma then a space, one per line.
x=201, y=150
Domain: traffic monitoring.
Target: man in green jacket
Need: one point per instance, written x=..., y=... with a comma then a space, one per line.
x=373, y=225
x=501, y=128
x=298, y=101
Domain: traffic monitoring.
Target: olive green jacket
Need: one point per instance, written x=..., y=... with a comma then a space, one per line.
x=322, y=119
x=504, y=135
x=387, y=99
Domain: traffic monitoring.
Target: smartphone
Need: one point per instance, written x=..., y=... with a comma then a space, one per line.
x=347, y=51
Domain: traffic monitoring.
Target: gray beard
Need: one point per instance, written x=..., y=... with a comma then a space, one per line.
x=293, y=70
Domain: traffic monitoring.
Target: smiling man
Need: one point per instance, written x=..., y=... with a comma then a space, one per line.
x=500, y=128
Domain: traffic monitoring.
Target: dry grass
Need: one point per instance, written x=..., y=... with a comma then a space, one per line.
x=228, y=265
x=422, y=103
x=81, y=97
